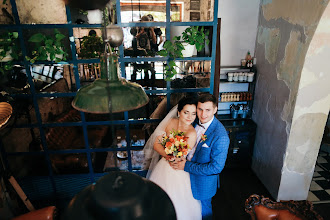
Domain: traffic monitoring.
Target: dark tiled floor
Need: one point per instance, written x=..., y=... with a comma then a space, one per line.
x=237, y=185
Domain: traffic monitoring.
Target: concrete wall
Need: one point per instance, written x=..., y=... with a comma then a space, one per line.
x=285, y=31
x=309, y=117
x=41, y=11
x=239, y=20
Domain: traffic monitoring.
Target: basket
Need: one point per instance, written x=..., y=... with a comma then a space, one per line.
x=5, y=113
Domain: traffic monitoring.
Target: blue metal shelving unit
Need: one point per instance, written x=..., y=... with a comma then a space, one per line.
x=59, y=189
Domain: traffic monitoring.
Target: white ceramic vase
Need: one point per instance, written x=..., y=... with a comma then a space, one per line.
x=94, y=16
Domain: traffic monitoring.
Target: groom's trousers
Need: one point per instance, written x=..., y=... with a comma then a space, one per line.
x=207, y=209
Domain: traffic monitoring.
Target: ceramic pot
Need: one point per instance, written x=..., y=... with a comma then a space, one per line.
x=94, y=16
x=189, y=50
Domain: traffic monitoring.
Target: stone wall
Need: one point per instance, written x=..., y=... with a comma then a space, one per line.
x=285, y=31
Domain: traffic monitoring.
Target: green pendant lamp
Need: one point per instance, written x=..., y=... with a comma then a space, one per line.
x=111, y=93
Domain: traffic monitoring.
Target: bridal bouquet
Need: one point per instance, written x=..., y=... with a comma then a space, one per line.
x=175, y=144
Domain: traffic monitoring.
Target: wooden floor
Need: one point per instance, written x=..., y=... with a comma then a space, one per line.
x=236, y=186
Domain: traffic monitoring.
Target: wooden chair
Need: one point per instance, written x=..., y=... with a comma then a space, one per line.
x=48, y=213
x=261, y=208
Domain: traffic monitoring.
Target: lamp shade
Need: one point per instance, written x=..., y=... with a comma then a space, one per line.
x=121, y=195
x=110, y=93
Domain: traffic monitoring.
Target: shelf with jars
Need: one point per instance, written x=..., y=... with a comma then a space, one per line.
x=236, y=92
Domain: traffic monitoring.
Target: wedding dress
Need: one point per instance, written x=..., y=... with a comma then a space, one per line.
x=176, y=183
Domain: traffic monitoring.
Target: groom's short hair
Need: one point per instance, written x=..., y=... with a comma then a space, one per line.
x=207, y=97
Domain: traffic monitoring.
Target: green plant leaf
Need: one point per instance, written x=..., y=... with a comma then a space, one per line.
x=49, y=42
x=59, y=36
x=15, y=34
x=37, y=38
x=163, y=53
x=56, y=31
x=180, y=46
x=172, y=63
x=167, y=44
x=52, y=56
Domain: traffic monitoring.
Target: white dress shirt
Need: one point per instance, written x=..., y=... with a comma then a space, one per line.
x=200, y=130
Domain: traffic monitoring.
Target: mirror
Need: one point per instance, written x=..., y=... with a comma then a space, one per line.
x=143, y=41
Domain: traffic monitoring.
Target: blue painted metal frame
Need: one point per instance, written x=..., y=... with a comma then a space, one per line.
x=126, y=122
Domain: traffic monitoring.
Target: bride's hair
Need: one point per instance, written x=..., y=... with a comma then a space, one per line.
x=189, y=100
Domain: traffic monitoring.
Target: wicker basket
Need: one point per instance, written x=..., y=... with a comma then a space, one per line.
x=5, y=112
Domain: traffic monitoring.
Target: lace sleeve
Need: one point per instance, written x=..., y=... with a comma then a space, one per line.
x=151, y=157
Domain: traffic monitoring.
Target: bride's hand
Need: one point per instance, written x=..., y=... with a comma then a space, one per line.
x=169, y=158
x=179, y=164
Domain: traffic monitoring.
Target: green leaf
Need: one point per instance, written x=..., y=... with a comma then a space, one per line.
x=162, y=53
x=180, y=46
x=37, y=38
x=167, y=44
x=49, y=42
x=56, y=31
x=15, y=34
x=172, y=63
x=59, y=36
x=52, y=56
x=174, y=72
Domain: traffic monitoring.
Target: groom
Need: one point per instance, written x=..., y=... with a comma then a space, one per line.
x=210, y=154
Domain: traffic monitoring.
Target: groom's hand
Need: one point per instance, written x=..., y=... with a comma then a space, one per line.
x=179, y=165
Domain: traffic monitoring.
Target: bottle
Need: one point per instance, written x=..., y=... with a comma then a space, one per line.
x=248, y=57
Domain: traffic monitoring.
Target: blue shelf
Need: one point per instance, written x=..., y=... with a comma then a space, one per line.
x=51, y=182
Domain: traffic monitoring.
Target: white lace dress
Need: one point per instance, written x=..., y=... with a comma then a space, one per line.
x=176, y=183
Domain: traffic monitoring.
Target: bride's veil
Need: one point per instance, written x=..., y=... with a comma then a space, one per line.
x=151, y=157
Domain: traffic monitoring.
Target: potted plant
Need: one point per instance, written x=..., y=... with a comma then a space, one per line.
x=91, y=47
x=48, y=47
x=194, y=36
x=172, y=50
x=9, y=51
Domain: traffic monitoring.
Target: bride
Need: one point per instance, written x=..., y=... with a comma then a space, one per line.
x=176, y=183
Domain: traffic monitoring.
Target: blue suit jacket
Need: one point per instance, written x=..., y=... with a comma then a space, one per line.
x=208, y=161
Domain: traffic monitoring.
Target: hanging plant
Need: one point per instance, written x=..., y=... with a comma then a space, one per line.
x=48, y=47
x=9, y=50
x=173, y=50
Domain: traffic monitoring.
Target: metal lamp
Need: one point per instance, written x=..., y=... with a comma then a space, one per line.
x=121, y=195
x=111, y=93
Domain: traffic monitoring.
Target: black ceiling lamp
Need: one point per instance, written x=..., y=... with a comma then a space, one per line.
x=121, y=195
